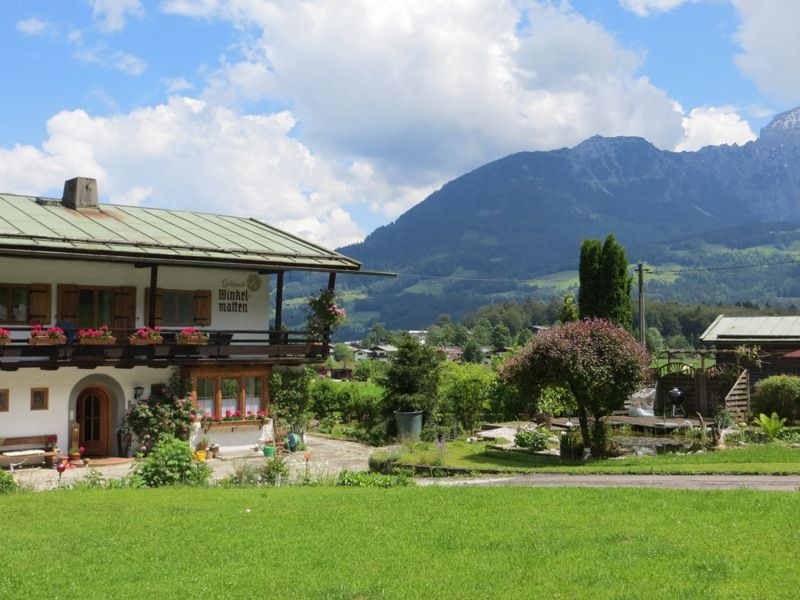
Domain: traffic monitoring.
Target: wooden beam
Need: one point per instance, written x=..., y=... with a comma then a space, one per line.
x=278, y=301
x=151, y=317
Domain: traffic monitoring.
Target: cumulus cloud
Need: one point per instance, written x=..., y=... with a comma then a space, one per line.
x=645, y=8
x=32, y=26
x=425, y=90
x=191, y=155
x=112, y=15
x=770, y=46
x=711, y=125
x=176, y=84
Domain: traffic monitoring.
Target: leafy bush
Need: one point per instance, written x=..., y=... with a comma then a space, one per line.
x=534, y=439
x=7, y=483
x=324, y=397
x=769, y=426
x=465, y=392
x=163, y=414
x=723, y=419
x=555, y=401
x=780, y=394
x=289, y=389
x=274, y=471
x=358, y=479
x=170, y=462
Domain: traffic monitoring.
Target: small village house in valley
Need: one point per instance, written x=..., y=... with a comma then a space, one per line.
x=75, y=263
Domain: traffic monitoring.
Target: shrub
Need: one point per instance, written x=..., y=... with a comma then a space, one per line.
x=780, y=394
x=162, y=414
x=274, y=471
x=324, y=397
x=7, y=483
x=723, y=419
x=170, y=462
x=555, y=401
x=571, y=444
x=769, y=426
x=357, y=479
x=534, y=439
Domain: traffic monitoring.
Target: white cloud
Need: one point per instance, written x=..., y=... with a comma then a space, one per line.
x=32, y=26
x=770, y=46
x=645, y=8
x=122, y=61
x=710, y=125
x=425, y=90
x=191, y=155
x=113, y=14
x=176, y=84
x=193, y=8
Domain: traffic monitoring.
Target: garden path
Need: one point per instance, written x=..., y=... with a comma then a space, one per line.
x=777, y=483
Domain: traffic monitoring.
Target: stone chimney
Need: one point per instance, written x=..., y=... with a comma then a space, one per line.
x=80, y=192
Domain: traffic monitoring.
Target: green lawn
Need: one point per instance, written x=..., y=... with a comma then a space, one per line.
x=776, y=459
x=400, y=543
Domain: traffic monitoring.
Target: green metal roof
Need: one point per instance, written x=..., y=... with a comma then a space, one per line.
x=32, y=226
x=752, y=329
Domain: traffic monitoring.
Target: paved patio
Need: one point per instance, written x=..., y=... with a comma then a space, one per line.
x=328, y=457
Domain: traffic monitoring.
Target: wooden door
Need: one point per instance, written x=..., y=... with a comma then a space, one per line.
x=92, y=416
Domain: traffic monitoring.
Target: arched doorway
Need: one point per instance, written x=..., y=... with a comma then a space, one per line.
x=92, y=415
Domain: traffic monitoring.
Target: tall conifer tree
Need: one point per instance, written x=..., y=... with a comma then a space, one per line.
x=605, y=286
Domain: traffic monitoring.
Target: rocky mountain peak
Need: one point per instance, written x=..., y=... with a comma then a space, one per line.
x=783, y=129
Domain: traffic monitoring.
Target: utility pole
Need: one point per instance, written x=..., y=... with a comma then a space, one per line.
x=640, y=270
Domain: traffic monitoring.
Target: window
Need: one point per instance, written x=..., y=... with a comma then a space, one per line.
x=206, y=396
x=217, y=390
x=177, y=308
x=180, y=308
x=3, y=400
x=39, y=398
x=14, y=303
x=95, y=306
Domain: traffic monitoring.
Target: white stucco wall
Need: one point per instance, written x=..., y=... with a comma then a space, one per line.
x=76, y=272
x=63, y=387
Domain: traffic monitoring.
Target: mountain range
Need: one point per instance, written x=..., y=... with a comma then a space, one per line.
x=502, y=230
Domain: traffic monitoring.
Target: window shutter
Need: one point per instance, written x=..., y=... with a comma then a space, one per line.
x=202, y=308
x=124, y=316
x=67, y=303
x=41, y=303
x=159, y=314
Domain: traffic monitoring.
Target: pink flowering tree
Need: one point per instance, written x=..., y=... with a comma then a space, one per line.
x=598, y=361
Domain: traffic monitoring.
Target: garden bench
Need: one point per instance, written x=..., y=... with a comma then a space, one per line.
x=25, y=450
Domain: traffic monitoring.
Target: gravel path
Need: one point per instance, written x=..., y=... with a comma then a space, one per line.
x=773, y=483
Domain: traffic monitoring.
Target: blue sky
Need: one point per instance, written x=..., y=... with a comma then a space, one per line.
x=331, y=118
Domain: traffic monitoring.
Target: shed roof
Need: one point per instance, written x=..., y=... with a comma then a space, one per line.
x=34, y=226
x=752, y=329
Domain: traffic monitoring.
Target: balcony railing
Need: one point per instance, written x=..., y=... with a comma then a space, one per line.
x=224, y=346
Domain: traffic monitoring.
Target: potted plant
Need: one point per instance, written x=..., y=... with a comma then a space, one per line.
x=146, y=336
x=75, y=454
x=324, y=314
x=5, y=336
x=48, y=336
x=96, y=337
x=191, y=336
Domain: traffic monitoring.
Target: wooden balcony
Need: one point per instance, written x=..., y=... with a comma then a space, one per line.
x=223, y=347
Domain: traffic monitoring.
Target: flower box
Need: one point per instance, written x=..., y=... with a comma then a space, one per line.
x=96, y=341
x=191, y=340
x=232, y=424
x=145, y=341
x=47, y=341
x=4, y=341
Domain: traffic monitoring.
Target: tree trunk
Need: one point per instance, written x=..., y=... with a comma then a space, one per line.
x=584, y=421
x=598, y=437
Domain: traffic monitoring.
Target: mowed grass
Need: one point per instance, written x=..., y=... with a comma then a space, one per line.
x=769, y=459
x=400, y=543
